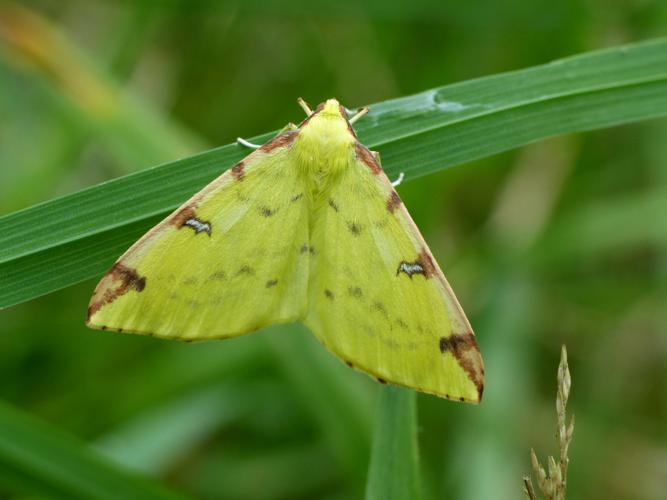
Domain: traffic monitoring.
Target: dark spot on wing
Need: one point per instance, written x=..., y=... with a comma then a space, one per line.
x=355, y=291
x=241, y=196
x=307, y=249
x=379, y=306
x=328, y=294
x=218, y=275
x=366, y=157
x=454, y=342
x=297, y=197
x=267, y=212
x=348, y=363
x=333, y=205
x=271, y=283
x=354, y=228
x=245, y=270
x=381, y=380
x=393, y=202
x=283, y=139
x=402, y=323
x=238, y=171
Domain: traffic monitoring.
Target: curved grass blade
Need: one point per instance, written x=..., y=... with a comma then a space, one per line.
x=64, y=241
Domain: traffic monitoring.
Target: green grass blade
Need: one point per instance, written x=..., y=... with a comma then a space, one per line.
x=67, y=240
x=336, y=398
x=38, y=459
x=394, y=467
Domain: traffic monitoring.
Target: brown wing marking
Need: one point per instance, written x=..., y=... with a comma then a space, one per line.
x=464, y=348
x=117, y=281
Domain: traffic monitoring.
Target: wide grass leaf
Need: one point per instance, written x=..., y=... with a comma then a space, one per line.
x=67, y=240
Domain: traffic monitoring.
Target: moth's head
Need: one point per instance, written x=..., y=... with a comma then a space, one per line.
x=329, y=112
x=325, y=138
x=332, y=109
x=328, y=123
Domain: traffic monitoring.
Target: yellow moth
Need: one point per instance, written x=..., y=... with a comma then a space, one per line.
x=306, y=228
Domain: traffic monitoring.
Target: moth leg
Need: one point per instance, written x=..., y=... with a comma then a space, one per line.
x=398, y=181
x=247, y=144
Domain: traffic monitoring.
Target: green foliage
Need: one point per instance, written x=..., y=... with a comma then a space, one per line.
x=73, y=238
x=561, y=242
x=394, y=467
x=36, y=458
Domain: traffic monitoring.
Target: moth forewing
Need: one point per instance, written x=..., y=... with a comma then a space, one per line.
x=307, y=227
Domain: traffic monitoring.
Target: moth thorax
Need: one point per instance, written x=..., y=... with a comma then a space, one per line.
x=324, y=145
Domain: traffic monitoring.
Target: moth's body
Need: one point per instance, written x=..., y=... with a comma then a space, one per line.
x=324, y=143
x=306, y=228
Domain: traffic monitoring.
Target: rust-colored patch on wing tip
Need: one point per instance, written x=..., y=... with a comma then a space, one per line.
x=182, y=216
x=427, y=263
x=238, y=171
x=393, y=202
x=464, y=348
x=118, y=281
x=364, y=155
x=281, y=140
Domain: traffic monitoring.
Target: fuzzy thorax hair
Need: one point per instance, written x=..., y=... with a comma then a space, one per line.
x=324, y=148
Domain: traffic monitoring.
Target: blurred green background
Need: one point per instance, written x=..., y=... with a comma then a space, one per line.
x=561, y=242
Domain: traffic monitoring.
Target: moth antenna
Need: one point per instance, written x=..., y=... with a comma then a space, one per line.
x=247, y=144
x=398, y=181
x=304, y=106
x=359, y=114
